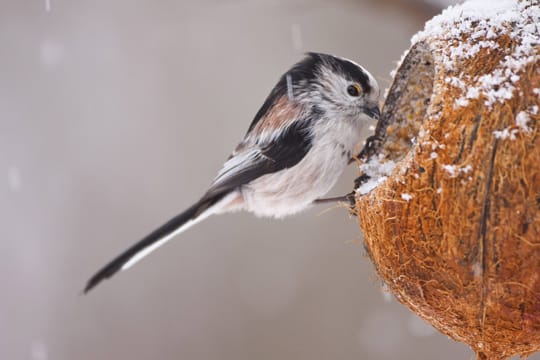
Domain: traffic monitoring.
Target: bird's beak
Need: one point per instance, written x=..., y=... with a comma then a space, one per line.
x=373, y=112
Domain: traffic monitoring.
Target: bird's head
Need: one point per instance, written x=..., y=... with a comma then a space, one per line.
x=334, y=85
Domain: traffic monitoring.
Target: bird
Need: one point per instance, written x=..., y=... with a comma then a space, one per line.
x=296, y=147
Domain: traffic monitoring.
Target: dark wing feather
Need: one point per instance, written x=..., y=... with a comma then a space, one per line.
x=282, y=152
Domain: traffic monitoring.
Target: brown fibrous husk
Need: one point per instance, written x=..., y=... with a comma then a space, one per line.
x=454, y=231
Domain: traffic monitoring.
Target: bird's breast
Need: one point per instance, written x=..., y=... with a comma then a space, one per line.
x=291, y=190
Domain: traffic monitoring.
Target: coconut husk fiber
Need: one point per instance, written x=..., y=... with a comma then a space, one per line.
x=449, y=195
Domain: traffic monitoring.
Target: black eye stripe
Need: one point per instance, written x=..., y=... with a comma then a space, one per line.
x=352, y=71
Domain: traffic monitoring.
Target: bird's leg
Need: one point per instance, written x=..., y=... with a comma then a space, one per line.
x=331, y=200
x=372, y=144
x=348, y=198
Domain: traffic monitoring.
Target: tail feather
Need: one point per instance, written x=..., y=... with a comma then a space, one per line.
x=196, y=213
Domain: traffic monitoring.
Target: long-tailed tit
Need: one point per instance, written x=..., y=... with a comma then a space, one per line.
x=296, y=147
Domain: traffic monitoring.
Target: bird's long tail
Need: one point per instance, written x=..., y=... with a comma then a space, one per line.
x=181, y=222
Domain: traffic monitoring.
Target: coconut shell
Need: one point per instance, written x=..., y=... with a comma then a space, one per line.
x=453, y=227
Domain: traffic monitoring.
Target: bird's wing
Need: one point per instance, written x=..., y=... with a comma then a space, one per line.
x=281, y=151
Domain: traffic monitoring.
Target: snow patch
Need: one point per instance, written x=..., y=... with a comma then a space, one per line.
x=406, y=197
x=466, y=169
x=487, y=19
x=461, y=102
x=451, y=170
x=506, y=133
x=522, y=119
x=378, y=171
x=473, y=93
x=454, y=170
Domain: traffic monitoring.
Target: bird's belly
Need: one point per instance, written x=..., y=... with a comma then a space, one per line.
x=291, y=190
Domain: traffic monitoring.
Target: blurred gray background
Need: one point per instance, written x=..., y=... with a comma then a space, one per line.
x=115, y=116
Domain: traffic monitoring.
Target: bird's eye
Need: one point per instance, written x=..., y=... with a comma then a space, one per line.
x=354, y=90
